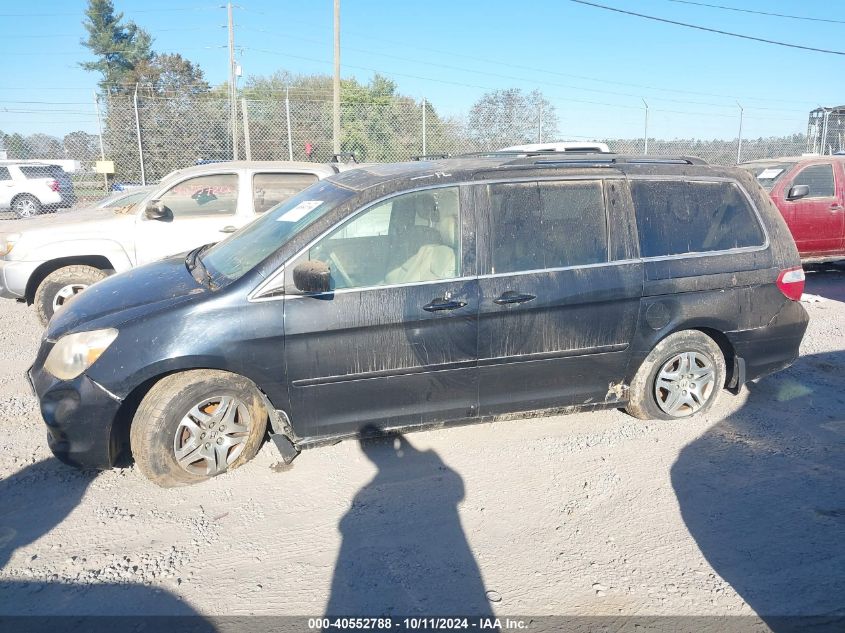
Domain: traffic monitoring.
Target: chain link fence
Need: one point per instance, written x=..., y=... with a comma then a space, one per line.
x=147, y=136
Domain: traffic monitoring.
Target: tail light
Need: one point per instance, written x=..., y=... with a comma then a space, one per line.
x=54, y=185
x=791, y=283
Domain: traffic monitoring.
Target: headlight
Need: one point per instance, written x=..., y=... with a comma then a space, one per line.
x=7, y=242
x=75, y=353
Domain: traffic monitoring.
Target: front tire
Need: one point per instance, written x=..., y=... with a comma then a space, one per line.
x=195, y=425
x=26, y=206
x=61, y=286
x=681, y=377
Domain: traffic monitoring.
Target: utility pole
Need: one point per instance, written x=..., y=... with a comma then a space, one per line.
x=233, y=91
x=739, y=142
x=423, y=130
x=102, y=147
x=336, y=90
x=540, y=122
x=645, y=133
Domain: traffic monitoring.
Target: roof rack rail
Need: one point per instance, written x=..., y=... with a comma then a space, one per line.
x=431, y=156
x=344, y=157
x=565, y=159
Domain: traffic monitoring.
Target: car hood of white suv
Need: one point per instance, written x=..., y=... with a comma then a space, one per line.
x=84, y=221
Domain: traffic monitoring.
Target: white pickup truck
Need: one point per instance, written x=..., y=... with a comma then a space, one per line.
x=47, y=260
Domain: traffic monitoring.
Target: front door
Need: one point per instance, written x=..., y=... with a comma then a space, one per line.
x=818, y=219
x=204, y=210
x=556, y=314
x=394, y=344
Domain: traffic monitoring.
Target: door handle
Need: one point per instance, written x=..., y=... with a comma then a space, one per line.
x=228, y=229
x=513, y=297
x=436, y=305
x=836, y=207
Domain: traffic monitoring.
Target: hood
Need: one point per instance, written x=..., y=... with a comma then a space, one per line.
x=73, y=222
x=132, y=294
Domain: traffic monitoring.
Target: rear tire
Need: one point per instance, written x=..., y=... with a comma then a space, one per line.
x=195, y=425
x=681, y=377
x=61, y=286
x=26, y=206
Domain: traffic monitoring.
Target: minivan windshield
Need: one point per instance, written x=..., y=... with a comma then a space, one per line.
x=232, y=258
x=769, y=173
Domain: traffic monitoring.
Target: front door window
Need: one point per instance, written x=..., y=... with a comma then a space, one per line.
x=411, y=238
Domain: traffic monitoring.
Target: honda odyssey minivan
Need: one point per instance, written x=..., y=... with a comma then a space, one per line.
x=402, y=296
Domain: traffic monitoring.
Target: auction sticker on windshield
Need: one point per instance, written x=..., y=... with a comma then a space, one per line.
x=299, y=211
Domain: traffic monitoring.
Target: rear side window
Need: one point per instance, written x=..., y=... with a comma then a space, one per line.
x=270, y=189
x=675, y=218
x=547, y=225
x=37, y=171
x=819, y=178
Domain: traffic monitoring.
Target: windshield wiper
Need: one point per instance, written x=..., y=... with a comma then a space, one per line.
x=194, y=261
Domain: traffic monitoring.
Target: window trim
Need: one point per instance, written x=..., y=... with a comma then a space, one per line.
x=696, y=254
x=488, y=220
x=799, y=172
x=157, y=193
x=266, y=172
x=268, y=290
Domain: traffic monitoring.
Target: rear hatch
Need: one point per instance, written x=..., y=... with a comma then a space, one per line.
x=56, y=179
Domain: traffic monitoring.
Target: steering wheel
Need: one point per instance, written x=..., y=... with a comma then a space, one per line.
x=338, y=268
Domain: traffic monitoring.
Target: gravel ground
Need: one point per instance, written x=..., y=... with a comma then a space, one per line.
x=738, y=512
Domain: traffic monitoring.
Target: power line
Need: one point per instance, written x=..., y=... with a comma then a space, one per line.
x=774, y=15
x=533, y=69
x=534, y=81
x=704, y=28
x=69, y=35
x=52, y=14
x=464, y=84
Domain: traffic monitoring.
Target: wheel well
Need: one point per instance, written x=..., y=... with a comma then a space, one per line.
x=121, y=449
x=25, y=193
x=38, y=275
x=724, y=344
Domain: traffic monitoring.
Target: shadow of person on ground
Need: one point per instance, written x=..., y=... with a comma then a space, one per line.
x=763, y=494
x=35, y=501
x=404, y=551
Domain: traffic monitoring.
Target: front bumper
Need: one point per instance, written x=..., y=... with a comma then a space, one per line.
x=80, y=417
x=14, y=276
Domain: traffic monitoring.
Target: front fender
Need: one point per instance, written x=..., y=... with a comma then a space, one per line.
x=115, y=252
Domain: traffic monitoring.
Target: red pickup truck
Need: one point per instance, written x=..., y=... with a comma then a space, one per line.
x=809, y=191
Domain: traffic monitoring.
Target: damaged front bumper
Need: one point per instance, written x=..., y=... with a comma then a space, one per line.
x=80, y=416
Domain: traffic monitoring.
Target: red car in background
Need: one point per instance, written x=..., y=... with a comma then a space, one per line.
x=809, y=191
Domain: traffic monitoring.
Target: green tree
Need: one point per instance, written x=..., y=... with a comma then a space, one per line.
x=81, y=146
x=169, y=74
x=119, y=47
x=16, y=146
x=509, y=117
x=45, y=146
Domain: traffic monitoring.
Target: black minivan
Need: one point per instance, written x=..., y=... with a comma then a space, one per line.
x=401, y=296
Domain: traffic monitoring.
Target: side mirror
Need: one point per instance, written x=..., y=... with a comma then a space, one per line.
x=157, y=210
x=797, y=192
x=312, y=276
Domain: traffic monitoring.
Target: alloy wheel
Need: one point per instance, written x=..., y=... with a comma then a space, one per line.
x=212, y=435
x=66, y=293
x=684, y=384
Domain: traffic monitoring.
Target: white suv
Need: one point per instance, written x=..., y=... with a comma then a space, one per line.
x=31, y=188
x=46, y=261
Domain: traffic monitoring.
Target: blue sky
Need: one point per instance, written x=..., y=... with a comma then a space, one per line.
x=595, y=66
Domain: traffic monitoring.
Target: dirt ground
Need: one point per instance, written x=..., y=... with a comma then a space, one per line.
x=741, y=511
